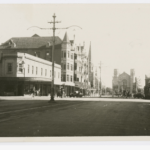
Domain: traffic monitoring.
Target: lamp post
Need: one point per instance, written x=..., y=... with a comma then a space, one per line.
x=53, y=49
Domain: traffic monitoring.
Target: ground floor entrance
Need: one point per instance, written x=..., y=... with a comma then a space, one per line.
x=22, y=86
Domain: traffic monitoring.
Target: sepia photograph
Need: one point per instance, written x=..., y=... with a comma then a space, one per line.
x=74, y=71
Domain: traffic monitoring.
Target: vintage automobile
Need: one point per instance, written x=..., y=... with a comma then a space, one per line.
x=76, y=94
x=139, y=95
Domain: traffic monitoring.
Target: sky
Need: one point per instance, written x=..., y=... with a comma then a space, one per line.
x=119, y=33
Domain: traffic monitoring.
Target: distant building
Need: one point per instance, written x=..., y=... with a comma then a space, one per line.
x=147, y=87
x=96, y=82
x=90, y=68
x=124, y=81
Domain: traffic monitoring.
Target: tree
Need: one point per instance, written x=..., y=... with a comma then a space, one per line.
x=109, y=90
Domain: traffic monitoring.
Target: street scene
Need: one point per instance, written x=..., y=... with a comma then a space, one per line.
x=62, y=74
x=74, y=117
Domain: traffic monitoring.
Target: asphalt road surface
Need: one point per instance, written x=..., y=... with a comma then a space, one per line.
x=74, y=117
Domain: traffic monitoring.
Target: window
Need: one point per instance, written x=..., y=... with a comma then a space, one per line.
x=20, y=68
x=61, y=77
x=50, y=73
x=68, y=66
x=36, y=70
x=75, y=77
x=38, y=54
x=64, y=54
x=28, y=68
x=45, y=72
x=68, y=54
x=71, y=67
x=71, y=78
x=32, y=69
x=64, y=77
x=71, y=56
x=64, y=66
x=67, y=77
x=9, y=67
x=41, y=71
x=75, y=67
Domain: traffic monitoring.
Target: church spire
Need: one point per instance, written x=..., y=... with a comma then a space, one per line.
x=89, y=56
x=66, y=38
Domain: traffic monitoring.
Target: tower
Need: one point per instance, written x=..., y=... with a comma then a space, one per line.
x=67, y=61
x=116, y=72
x=90, y=66
x=115, y=80
x=132, y=80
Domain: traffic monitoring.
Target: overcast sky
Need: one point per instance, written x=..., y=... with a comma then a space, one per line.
x=119, y=33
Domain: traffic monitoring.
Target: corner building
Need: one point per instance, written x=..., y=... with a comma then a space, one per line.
x=21, y=72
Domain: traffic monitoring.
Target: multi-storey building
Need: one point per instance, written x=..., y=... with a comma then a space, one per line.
x=37, y=46
x=67, y=64
x=21, y=72
x=40, y=48
x=76, y=66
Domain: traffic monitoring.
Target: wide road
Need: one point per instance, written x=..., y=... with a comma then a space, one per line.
x=20, y=117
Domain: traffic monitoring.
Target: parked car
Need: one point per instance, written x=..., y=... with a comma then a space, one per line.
x=139, y=95
x=71, y=94
x=76, y=94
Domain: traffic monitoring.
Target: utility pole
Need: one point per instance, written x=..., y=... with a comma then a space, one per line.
x=53, y=50
x=52, y=83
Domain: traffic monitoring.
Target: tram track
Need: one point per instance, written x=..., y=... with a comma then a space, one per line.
x=21, y=113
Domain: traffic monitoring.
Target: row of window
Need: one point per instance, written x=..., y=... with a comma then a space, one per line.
x=69, y=66
x=69, y=78
x=42, y=71
x=70, y=55
x=20, y=69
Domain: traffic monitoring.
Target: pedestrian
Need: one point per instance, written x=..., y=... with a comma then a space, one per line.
x=33, y=92
x=61, y=91
x=127, y=94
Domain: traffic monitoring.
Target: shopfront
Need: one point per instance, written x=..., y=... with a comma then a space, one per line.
x=18, y=86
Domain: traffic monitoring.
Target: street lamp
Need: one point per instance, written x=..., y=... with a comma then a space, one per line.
x=53, y=48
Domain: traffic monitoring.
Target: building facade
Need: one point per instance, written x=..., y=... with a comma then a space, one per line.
x=67, y=65
x=124, y=81
x=147, y=87
x=21, y=72
x=74, y=63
